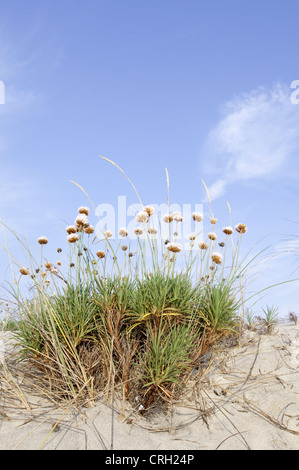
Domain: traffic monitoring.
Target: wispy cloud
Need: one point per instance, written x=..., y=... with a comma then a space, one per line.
x=256, y=137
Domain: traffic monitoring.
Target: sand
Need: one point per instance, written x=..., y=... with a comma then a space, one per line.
x=246, y=398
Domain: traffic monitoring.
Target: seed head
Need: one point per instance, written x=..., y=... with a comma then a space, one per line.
x=84, y=210
x=174, y=247
x=124, y=247
x=168, y=218
x=123, y=232
x=197, y=216
x=138, y=231
x=71, y=229
x=152, y=230
x=228, y=230
x=213, y=220
x=48, y=265
x=142, y=217
x=89, y=229
x=42, y=240
x=59, y=250
x=203, y=246
x=72, y=238
x=107, y=234
x=241, y=228
x=24, y=271
x=177, y=216
x=192, y=236
x=82, y=221
x=217, y=257
x=150, y=210
x=100, y=254
x=212, y=236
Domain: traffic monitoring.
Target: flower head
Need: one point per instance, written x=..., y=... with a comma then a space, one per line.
x=89, y=230
x=84, y=210
x=197, y=216
x=228, y=230
x=177, y=216
x=71, y=229
x=142, y=217
x=213, y=220
x=24, y=271
x=42, y=240
x=152, y=230
x=108, y=234
x=82, y=221
x=138, y=231
x=192, y=236
x=72, y=238
x=150, y=210
x=241, y=228
x=217, y=257
x=100, y=254
x=203, y=246
x=212, y=236
x=174, y=247
x=123, y=232
x=168, y=218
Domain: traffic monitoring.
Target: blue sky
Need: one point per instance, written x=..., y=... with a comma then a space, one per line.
x=202, y=88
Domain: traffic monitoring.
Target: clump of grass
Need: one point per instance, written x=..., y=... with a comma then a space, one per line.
x=293, y=317
x=134, y=319
x=269, y=320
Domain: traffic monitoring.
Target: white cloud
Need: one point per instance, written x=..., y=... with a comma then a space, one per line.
x=256, y=137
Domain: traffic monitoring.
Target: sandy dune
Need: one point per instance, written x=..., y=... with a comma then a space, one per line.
x=246, y=398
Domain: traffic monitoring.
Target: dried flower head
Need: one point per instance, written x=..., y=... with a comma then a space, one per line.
x=84, y=210
x=203, y=246
x=168, y=218
x=177, y=216
x=100, y=254
x=89, y=229
x=152, y=231
x=241, y=228
x=131, y=254
x=150, y=210
x=54, y=271
x=138, y=231
x=174, y=247
x=192, y=236
x=71, y=229
x=42, y=240
x=44, y=274
x=82, y=221
x=197, y=216
x=124, y=247
x=123, y=232
x=107, y=234
x=213, y=220
x=212, y=236
x=48, y=265
x=72, y=265
x=142, y=217
x=72, y=238
x=221, y=244
x=59, y=250
x=24, y=271
x=47, y=282
x=58, y=263
x=228, y=230
x=217, y=257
